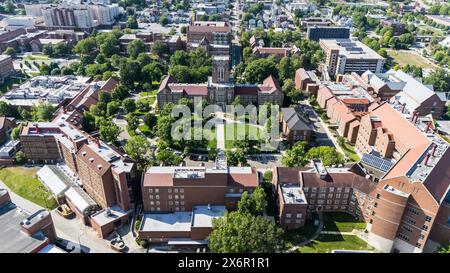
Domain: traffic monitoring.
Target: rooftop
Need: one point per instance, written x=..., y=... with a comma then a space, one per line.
x=51, y=89
x=351, y=49
x=292, y=194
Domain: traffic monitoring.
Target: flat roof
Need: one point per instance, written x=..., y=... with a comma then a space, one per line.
x=203, y=215
x=292, y=194
x=351, y=49
x=12, y=239
x=102, y=218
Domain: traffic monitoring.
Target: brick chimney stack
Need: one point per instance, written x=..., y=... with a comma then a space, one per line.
x=434, y=149
x=427, y=158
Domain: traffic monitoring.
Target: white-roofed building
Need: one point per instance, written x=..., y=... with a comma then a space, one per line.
x=187, y=228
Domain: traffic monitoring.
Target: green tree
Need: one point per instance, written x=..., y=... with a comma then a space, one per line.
x=135, y=47
x=164, y=128
x=130, y=72
x=254, y=203
x=168, y=158
x=285, y=69
x=296, y=156
x=109, y=131
x=86, y=46
x=129, y=105
x=259, y=69
x=15, y=133
x=10, y=51
x=444, y=248
x=150, y=120
x=138, y=148
x=159, y=48
x=112, y=108
x=163, y=20
x=440, y=80
x=131, y=22
x=236, y=158
x=21, y=158
x=237, y=232
x=42, y=112
x=133, y=124
x=327, y=154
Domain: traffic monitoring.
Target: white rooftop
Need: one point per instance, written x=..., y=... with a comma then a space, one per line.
x=177, y=221
x=293, y=194
x=203, y=215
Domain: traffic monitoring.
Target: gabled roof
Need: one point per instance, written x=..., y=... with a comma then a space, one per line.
x=294, y=120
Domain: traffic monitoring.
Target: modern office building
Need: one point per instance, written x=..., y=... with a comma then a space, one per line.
x=345, y=56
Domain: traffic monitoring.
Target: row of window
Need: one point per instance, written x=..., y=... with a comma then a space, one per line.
x=324, y=189
x=169, y=190
x=289, y=215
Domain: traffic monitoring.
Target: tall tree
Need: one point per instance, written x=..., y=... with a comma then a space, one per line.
x=238, y=232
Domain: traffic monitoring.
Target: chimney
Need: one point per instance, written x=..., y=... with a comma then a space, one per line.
x=339, y=78
x=403, y=108
x=37, y=128
x=428, y=127
x=427, y=158
x=434, y=149
x=415, y=116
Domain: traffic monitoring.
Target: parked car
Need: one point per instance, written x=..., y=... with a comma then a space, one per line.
x=65, y=211
x=117, y=244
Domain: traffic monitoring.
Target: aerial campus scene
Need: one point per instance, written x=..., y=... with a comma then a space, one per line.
x=224, y=126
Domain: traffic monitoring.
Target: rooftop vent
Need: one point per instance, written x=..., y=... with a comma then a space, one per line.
x=99, y=167
x=91, y=159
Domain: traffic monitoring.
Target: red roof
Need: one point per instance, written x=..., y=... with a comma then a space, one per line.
x=192, y=90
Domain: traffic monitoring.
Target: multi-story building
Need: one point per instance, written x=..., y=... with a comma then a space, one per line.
x=303, y=78
x=344, y=56
x=315, y=33
x=406, y=211
x=397, y=26
x=295, y=126
x=214, y=37
x=54, y=90
x=6, y=126
x=23, y=232
x=6, y=67
x=220, y=89
x=189, y=194
x=146, y=37
x=76, y=16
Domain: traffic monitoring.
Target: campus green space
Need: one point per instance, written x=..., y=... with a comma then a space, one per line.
x=296, y=236
x=238, y=131
x=325, y=243
x=23, y=182
x=342, y=222
x=349, y=150
x=404, y=57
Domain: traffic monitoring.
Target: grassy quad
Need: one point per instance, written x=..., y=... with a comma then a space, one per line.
x=23, y=182
x=237, y=131
x=404, y=57
x=342, y=222
x=349, y=150
x=325, y=243
x=296, y=236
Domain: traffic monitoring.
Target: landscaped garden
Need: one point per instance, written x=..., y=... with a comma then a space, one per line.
x=296, y=236
x=23, y=182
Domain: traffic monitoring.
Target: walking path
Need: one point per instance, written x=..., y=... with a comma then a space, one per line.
x=316, y=234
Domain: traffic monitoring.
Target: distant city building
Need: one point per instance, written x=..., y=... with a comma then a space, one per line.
x=214, y=37
x=6, y=67
x=52, y=89
x=397, y=27
x=314, y=21
x=345, y=56
x=316, y=33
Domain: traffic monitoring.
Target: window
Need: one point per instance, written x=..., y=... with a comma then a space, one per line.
x=176, y=190
x=299, y=215
x=170, y=197
x=313, y=195
x=298, y=221
x=314, y=189
x=418, y=245
x=425, y=227
x=331, y=189
x=156, y=190
x=305, y=189
x=375, y=205
x=336, y=202
x=151, y=196
x=241, y=190
x=152, y=209
x=150, y=190
x=428, y=218
x=182, y=196
x=338, y=195
x=407, y=228
x=176, y=196
x=403, y=237
x=322, y=189
x=330, y=195
x=169, y=190
x=288, y=221
x=158, y=203
x=288, y=215
x=170, y=203
x=373, y=213
x=158, y=209
x=157, y=197
x=320, y=202
x=181, y=190
x=421, y=236
x=347, y=189
x=177, y=203
x=322, y=195
x=329, y=202
x=378, y=196
x=411, y=221
x=152, y=203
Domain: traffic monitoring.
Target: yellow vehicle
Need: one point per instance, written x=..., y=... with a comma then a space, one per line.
x=65, y=211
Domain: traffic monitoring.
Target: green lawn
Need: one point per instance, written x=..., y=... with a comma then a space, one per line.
x=435, y=31
x=145, y=130
x=342, y=222
x=404, y=57
x=23, y=181
x=37, y=57
x=325, y=243
x=237, y=131
x=349, y=150
x=297, y=236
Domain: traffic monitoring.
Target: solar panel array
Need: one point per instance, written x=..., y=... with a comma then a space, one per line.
x=376, y=162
